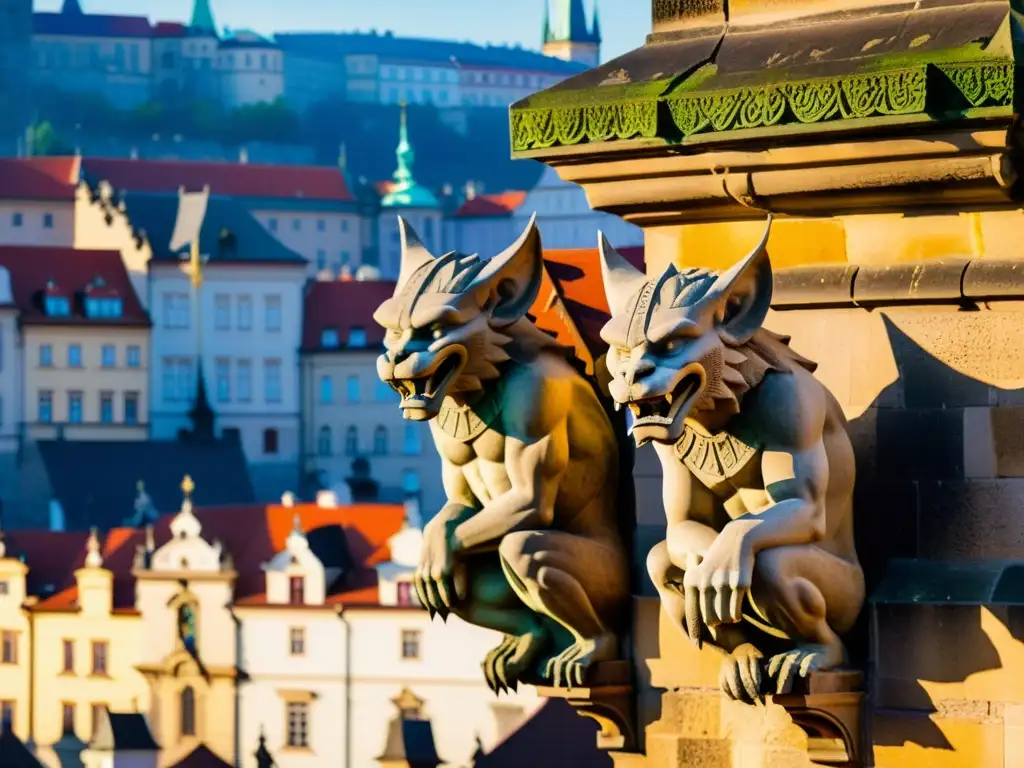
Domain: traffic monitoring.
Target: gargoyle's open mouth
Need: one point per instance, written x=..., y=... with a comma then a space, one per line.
x=664, y=410
x=425, y=393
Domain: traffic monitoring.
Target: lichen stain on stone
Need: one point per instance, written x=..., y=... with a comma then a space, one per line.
x=773, y=59
x=920, y=40
x=817, y=53
x=871, y=44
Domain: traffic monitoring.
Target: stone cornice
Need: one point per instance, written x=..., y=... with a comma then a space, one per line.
x=971, y=167
x=953, y=282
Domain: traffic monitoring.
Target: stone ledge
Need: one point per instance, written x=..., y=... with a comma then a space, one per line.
x=957, y=282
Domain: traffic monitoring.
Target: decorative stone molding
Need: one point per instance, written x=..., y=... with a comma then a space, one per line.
x=932, y=282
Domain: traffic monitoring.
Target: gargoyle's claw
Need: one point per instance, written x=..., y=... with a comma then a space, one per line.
x=694, y=625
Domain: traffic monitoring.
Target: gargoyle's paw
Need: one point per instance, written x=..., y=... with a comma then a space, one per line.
x=508, y=642
x=741, y=676
x=520, y=658
x=786, y=667
x=570, y=667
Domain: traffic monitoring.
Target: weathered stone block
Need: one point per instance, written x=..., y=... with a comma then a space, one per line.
x=1007, y=424
x=979, y=444
x=918, y=444
x=978, y=519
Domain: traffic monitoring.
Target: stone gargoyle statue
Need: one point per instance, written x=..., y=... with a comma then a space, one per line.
x=758, y=470
x=528, y=543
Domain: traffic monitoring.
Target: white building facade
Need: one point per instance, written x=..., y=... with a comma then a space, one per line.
x=251, y=323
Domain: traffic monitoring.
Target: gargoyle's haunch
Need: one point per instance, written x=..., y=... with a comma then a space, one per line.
x=759, y=559
x=528, y=543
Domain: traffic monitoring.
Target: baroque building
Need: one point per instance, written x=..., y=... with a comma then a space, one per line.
x=288, y=632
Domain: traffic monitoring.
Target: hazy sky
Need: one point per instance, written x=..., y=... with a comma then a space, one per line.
x=624, y=22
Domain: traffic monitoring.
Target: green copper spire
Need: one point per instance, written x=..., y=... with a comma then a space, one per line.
x=595, y=28
x=72, y=8
x=570, y=23
x=406, y=192
x=405, y=153
x=202, y=18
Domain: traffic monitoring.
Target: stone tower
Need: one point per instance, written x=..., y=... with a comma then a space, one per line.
x=568, y=36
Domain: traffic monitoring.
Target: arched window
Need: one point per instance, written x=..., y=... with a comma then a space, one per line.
x=324, y=445
x=412, y=444
x=351, y=441
x=411, y=482
x=188, y=712
x=380, y=441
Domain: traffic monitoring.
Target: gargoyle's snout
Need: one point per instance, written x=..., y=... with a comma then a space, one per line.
x=639, y=371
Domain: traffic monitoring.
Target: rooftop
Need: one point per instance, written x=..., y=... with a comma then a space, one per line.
x=91, y=25
x=441, y=52
x=341, y=306
x=39, y=178
x=494, y=205
x=96, y=482
x=76, y=276
x=353, y=538
x=241, y=180
x=230, y=233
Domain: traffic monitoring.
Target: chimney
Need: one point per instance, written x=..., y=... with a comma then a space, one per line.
x=288, y=499
x=470, y=190
x=243, y=156
x=134, y=154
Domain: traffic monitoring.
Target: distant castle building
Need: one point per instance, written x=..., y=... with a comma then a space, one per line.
x=567, y=35
x=131, y=61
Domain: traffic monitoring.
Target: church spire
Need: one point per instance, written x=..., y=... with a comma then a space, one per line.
x=72, y=8
x=570, y=23
x=595, y=27
x=404, y=151
x=202, y=18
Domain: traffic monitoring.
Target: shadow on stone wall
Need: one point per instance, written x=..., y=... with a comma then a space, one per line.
x=936, y=520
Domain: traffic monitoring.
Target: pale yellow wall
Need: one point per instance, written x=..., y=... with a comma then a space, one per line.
x=93, y=231
x=868, y=239
x=91, y=379
x=33, y=230
x=122, y=689
x=14, y=678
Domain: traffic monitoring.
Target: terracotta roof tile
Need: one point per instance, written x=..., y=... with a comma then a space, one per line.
x=45, y=178
x=342, y=305
x=572, y=301
x=504, y=204
x=72, y=271
x=246, y=180
x=252, y=534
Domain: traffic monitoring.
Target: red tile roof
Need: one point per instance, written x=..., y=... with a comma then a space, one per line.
x=504, y=204
x=571, y=304
x=39, y=178
x=169, y=29
x=277, y=182
x=343, y=305
x=252, y=534
x=72, y=271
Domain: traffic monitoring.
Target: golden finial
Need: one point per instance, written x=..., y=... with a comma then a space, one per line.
x=187, y=486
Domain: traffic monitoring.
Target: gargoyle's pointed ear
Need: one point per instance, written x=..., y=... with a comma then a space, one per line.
x=621, y=279
x=742, y=295
x=513, y=277
x=414, y=253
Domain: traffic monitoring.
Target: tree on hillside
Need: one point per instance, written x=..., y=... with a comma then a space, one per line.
x=46, y=141
x=275, y=123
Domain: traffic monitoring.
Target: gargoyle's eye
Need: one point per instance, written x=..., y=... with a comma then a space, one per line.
x=672, y=346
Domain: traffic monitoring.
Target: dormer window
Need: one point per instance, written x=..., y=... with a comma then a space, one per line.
x=357, y=338
x=103, y=308
x=57, y=305
x=329, y=338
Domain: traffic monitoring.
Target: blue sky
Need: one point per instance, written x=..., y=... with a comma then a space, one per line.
x=624, y=22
